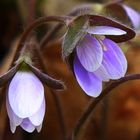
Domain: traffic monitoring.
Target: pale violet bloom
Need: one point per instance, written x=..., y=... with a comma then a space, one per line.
x=98, y=59
x=25, y=102
x=133, y=15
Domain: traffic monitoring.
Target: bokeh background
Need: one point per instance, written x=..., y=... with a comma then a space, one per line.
x=117, y=117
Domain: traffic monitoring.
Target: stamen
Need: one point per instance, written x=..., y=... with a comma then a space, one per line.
x=100, y=38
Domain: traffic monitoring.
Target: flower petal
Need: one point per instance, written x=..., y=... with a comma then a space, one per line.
x=39, y=127
x=89, y=52
x=38, y=117
x=114, y=60
x=105, y=30
x=87, y=80
x=27, y=125
x=12, y=127
x=102, y=74
x=26, y=94
x=133, y=15
x=14, y=119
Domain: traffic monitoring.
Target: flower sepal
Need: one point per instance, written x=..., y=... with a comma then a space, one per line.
x=8, y=75
x=97, y=20
x=74, y=34
x=46, y=79
x=96, y=25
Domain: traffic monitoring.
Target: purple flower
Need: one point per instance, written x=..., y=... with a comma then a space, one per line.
x=98, y=59
x=125, y=13
x=25, y=101
x=133, y=15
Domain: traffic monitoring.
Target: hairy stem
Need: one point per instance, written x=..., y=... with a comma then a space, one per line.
x=77, y=11
x=83, y=121
x=36, y=23
x=55, y=97
x=60, y=113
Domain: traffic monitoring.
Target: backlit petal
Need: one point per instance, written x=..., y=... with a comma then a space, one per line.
x=26, y=94
x=27, y=125
x=38, y=117
x=12, y=127
x=87, y=80
x=89, y=52
x=133, y=15
x=102, y=74
x=105, y=30
x=114, y=60
x=39, y=128
x=14, y=119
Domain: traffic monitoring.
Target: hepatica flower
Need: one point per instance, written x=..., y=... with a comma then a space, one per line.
x=97, y=58
x=133, y=15
x=25, y=99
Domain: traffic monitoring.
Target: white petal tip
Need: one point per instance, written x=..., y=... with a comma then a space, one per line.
x=38, y=128
x=12, y=127
x=38, y=117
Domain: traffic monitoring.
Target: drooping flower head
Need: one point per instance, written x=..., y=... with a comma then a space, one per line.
x=25, y=99
x=97, y=57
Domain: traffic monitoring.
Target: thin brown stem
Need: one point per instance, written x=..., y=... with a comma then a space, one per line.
x=55, y=97
x=44, y=42
x=60, y=112
x=83, y=9
x=83, y=121
x=36, y=23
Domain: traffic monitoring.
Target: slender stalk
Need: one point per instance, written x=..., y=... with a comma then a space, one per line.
x=44, y=42
x=63, y=19
x=77, y=11
x=55, y=97
x=60, y=113
x=39, y=21
x=83, y=121
x=103, y=124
